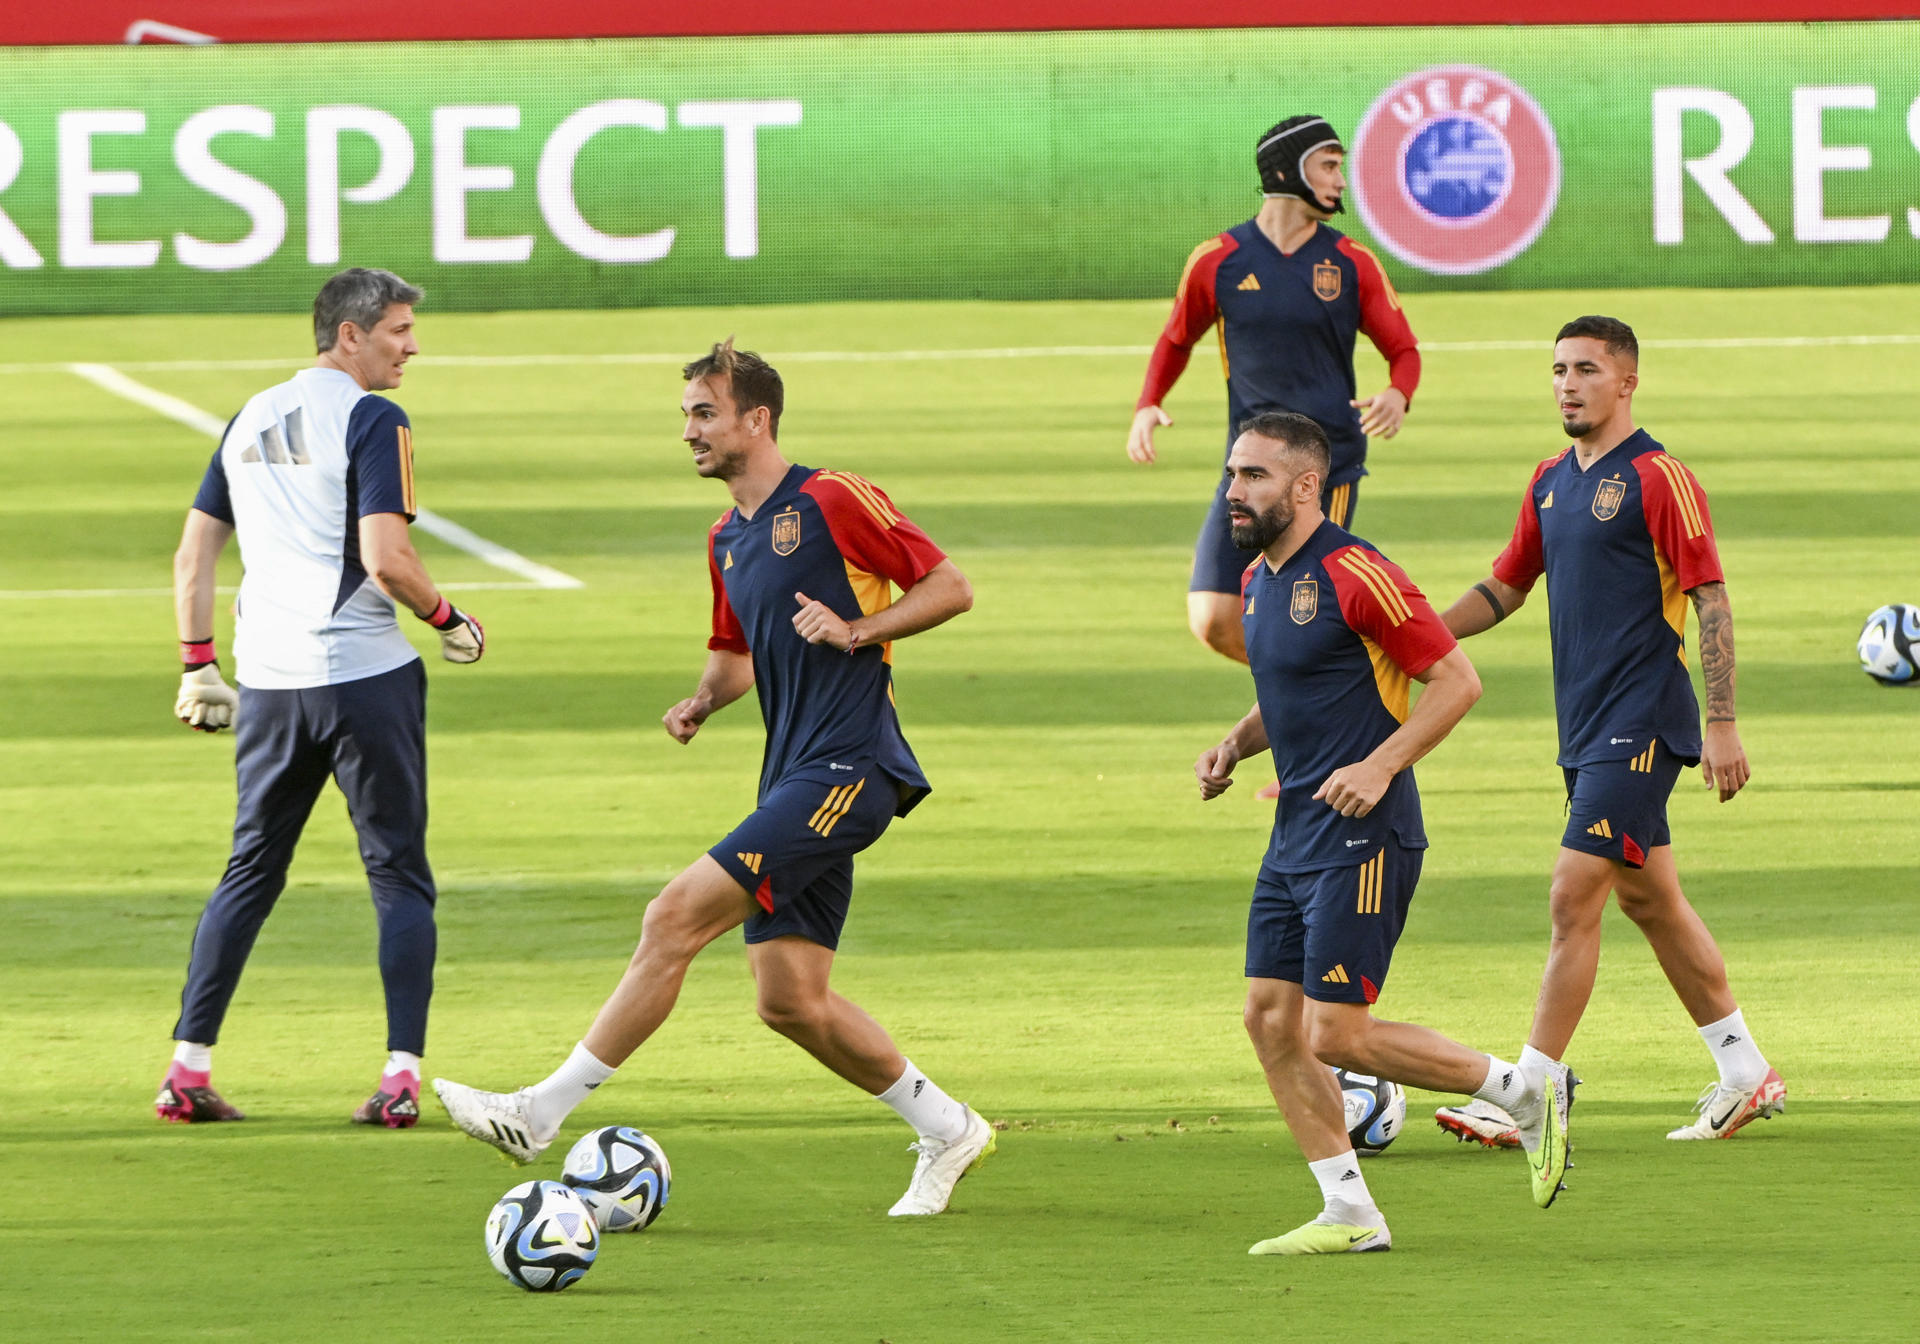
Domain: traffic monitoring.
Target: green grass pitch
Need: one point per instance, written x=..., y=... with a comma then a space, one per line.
x=1055, y=935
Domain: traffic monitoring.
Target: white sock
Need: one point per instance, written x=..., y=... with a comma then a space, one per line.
x=1505, y=1085
x=1740, y=1062
x=193, y=1055
x=399, y=1061
x=920, y=1102
x=1342, y=1188
x=1534, y=1063
x=568, y=1086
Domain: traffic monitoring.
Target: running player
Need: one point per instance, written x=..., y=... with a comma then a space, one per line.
x=1289, y=294
x=1622, y=532
x=316, y=477
x=801, y=567
x=1334, y=632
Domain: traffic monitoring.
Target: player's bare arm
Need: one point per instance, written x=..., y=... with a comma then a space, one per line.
x=1382, y=414
x=1452, y=686
x=1723, y=761
x=1140, y=437
x=386, y=550
x=727, y=677
x=1482, y=607
x=205, y=703
x=194, y=567
x=1214, y=769
x=942, y=593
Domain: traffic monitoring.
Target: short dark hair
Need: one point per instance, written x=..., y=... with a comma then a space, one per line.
x=751, y=381
x=360, y=296
x=1301, y=434
x=1617, y=334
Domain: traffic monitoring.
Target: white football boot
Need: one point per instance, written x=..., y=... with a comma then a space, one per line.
x=502, y=1119
x=940, y=1167
x=1479, y=1122
x=1723, y=1110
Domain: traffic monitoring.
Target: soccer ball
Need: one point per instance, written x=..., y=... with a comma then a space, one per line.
x=541, y=1236
x=621, y=1175
x=1888, y=644
x=1376, y=1111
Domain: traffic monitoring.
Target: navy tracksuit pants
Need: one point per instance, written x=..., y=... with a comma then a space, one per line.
x=370, y=736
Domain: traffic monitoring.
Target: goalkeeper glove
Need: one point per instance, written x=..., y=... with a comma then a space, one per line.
x=462, y=640
x=206, y=703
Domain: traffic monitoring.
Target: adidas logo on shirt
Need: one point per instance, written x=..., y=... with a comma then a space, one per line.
x=1251, y=282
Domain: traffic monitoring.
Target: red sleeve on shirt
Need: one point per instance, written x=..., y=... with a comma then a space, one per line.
x=1378, y=600
x=1677, y=518
x=727, y=633
x=1195, y=309
x=870, y=532
x=1384, y=321
x=1523, y=562
x=1246, y=576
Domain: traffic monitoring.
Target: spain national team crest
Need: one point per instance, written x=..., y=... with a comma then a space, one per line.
x=786, y=532
x=1606, y=499
x=1326, y=280
x=1306, y=601
x=1455, y=169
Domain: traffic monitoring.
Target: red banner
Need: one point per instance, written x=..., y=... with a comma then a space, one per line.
x=112, y=21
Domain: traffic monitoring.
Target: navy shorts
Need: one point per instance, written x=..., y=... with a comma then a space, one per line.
x=794, y=855
x=1618, y=809
x=1218, y=563
x=1332, y=931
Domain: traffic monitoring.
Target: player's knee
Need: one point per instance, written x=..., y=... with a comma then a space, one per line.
x=791, y=1014
x=1646, y=905
x=1275, y=1034
x=669, y=929
x=1338, y=1043
x=1576, y=905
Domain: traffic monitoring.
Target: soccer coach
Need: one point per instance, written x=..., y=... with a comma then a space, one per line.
x=315, y=476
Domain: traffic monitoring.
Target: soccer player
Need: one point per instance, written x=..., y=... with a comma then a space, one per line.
x=802, y=568
x=1289, y=293
x=1622, y=532
x=315, y=476
x=1334, y=633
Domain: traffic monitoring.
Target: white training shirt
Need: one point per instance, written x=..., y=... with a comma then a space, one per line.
x=295, y=472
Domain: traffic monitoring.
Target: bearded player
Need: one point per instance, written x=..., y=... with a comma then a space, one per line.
x=1334, y=633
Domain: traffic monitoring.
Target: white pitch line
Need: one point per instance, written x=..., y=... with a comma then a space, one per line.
x=925, y=356
x=29, y=594
x=113, y=380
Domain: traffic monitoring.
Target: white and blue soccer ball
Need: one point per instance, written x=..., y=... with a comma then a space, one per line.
x=1890, y=644
x=622, y=1175
x=1376, y=1111
x=542, y=1236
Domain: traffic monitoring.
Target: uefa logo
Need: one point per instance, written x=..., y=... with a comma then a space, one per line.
x=1455, y=169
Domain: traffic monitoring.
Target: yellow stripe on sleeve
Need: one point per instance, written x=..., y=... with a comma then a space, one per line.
x=1682, y=485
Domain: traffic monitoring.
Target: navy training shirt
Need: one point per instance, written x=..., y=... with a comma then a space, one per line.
x=1334, y=636
x=1287, y=328
x=837, y=538
x=1621, y=543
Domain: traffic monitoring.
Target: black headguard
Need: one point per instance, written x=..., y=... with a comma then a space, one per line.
x=1281, y=157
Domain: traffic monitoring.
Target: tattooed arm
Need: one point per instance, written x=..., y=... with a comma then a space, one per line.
x=1723, y=761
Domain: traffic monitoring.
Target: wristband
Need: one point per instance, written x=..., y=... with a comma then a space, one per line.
x=1499, y=612
x=853, y=640
x=440, y=612
x=197, y=653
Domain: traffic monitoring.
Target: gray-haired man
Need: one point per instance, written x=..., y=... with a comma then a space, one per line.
x=315, y=475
